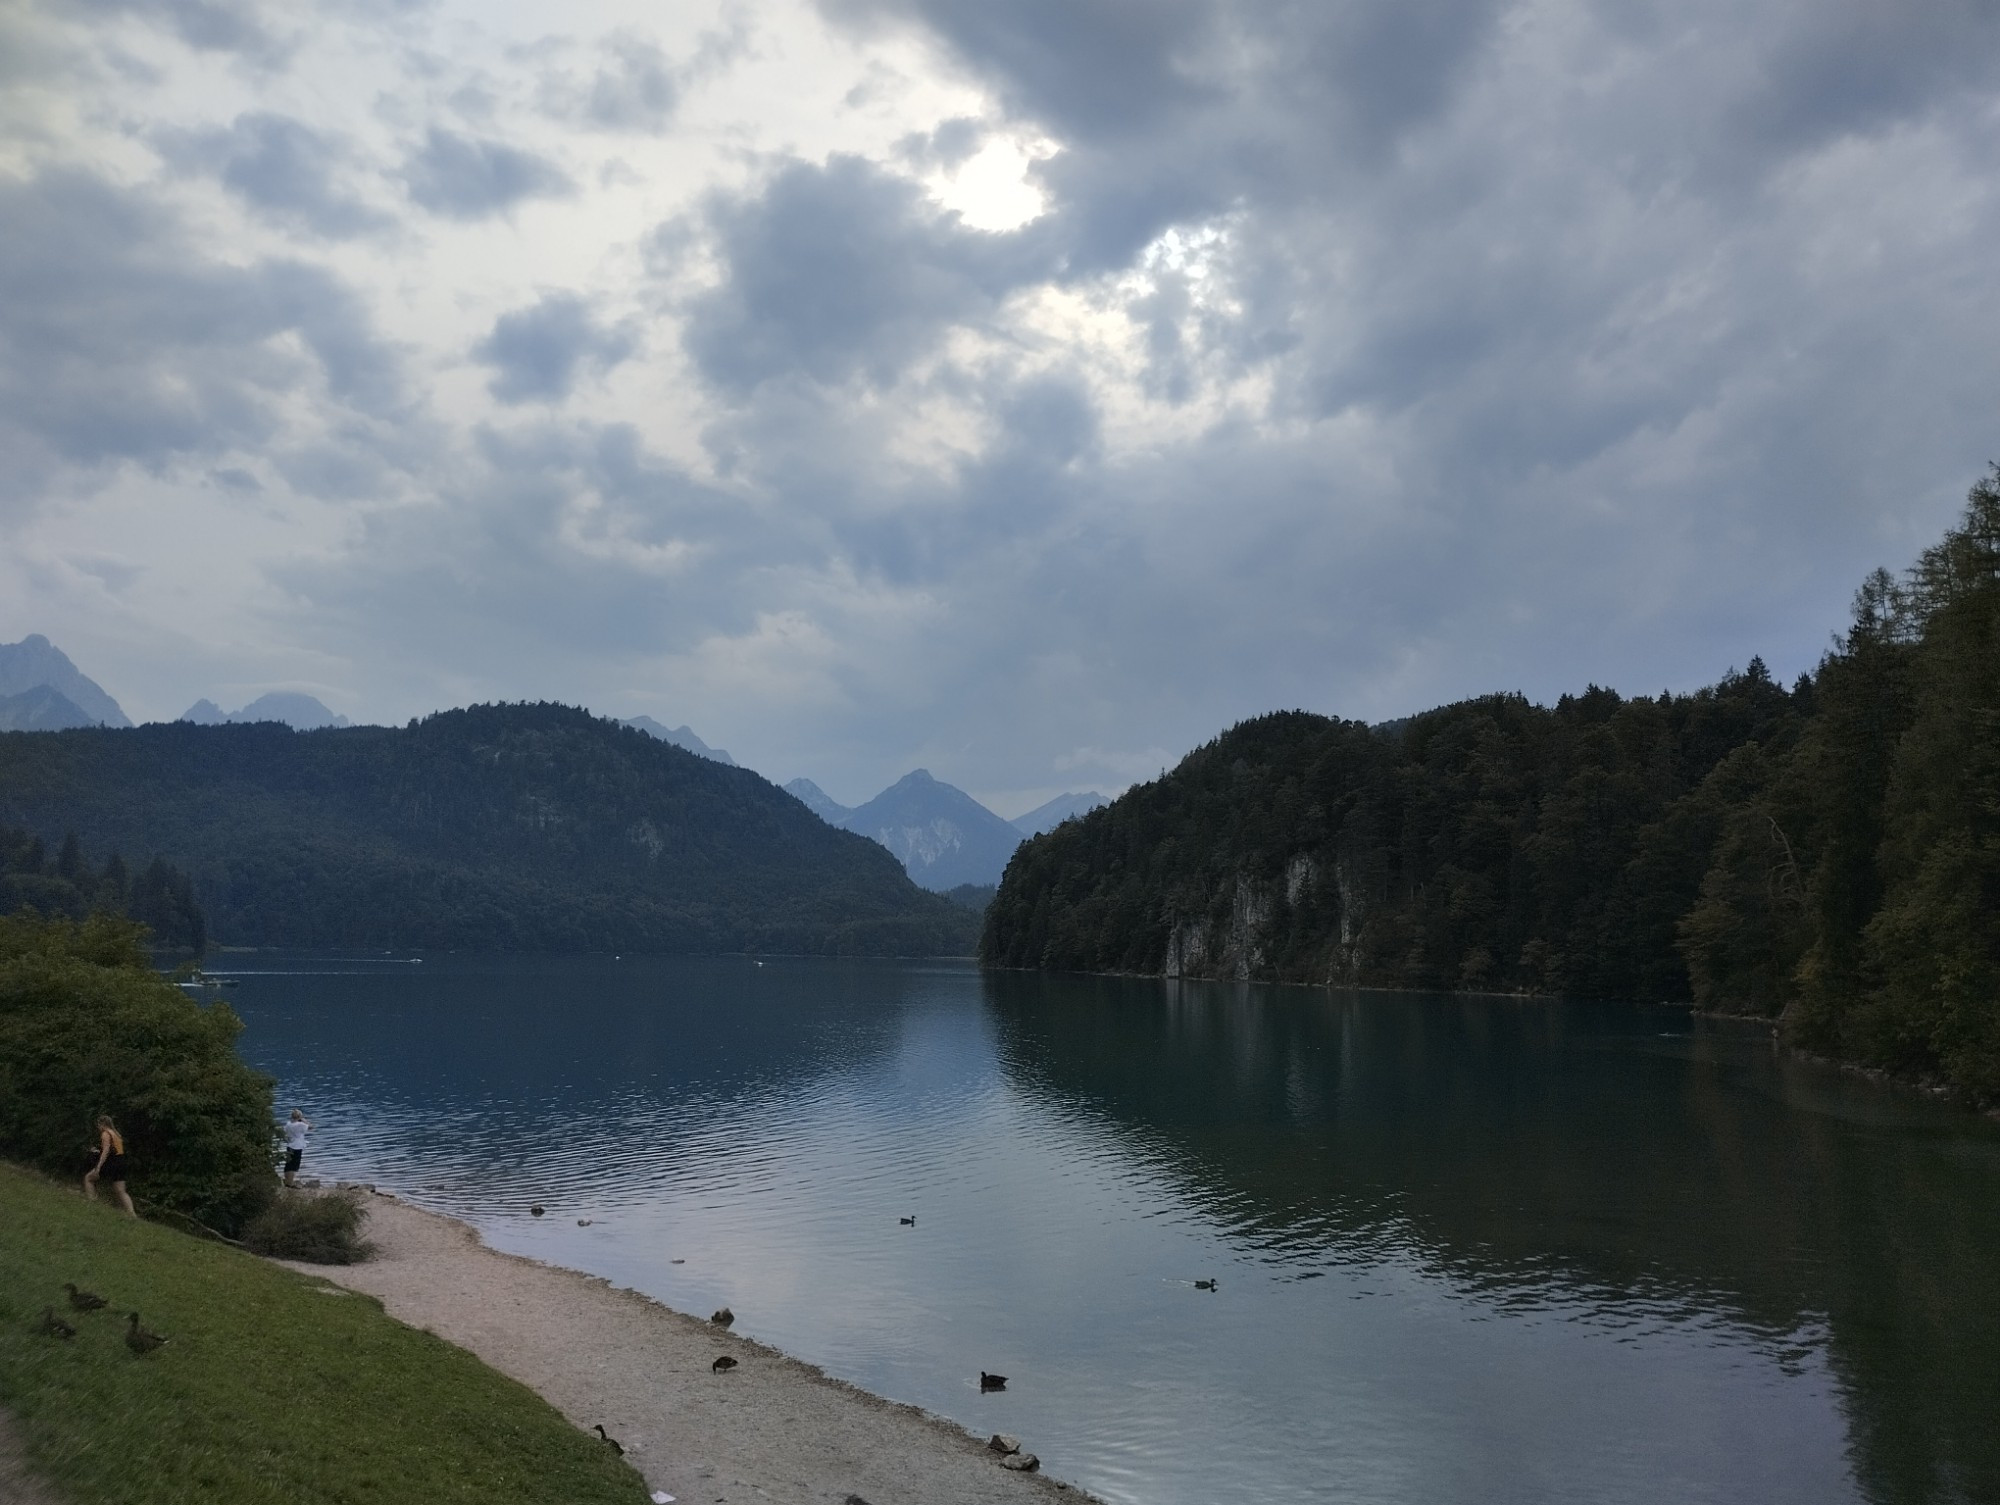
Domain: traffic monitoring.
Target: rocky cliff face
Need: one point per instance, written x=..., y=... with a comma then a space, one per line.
x=1237, y=942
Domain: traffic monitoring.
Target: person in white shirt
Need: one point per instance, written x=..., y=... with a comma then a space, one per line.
x=295, y=1133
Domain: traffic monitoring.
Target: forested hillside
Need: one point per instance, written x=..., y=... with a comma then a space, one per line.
x=521, y=827
x=1826, y=855
x=68, y=886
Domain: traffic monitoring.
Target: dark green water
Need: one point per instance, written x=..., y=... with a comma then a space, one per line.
x=1467, y=1249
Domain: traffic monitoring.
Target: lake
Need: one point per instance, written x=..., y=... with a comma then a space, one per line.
x=1466, y=1248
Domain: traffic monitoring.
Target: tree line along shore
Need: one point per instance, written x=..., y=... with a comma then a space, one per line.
x=1825, y=855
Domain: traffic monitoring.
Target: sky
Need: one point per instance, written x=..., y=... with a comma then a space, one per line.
x=1026, y=392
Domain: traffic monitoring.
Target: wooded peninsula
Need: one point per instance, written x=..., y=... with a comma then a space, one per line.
x=1825, y=855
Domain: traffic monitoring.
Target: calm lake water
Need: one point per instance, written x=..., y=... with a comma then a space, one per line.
x=1468, y=1249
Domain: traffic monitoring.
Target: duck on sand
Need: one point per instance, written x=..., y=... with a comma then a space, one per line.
x=607, y=1356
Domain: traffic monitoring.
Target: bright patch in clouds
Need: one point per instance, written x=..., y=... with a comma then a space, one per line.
x=992, y=190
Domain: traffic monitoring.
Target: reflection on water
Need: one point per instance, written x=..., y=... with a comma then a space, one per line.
x=1467, y=1249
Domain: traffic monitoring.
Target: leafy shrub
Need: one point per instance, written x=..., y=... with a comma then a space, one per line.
x=86, y=1027
x=322, y=1230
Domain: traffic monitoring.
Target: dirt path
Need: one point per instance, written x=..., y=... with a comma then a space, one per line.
x=773, y=1429
x=17, y=1485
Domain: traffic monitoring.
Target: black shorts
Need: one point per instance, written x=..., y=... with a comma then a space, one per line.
x=114, y=1168
x=292, y=1159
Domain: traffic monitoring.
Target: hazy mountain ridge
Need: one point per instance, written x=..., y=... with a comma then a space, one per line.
x=817, y=800
x=299, y=711
x=1046, y=817
x=41, y=709
x=525, y=827
x=35, y=661
x=941, y=835
x=682, y=737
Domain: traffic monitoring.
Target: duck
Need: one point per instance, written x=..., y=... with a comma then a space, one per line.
x=83, y=1301
x=1206, y=1285
x=723, y=1318
x=537, y=1209
x=992, y=1381
x=53, y=1326
x=907, y=1222
x=722, y=1365
x=615, y=1445
x=138, y=1339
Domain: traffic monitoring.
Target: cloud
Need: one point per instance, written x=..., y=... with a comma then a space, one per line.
x=283, y=168
x=842, y=272
x=468, y=178
x=121, y=342
x=206, y=25
x=1356, y=357
x=634, y=88
x=538, y=351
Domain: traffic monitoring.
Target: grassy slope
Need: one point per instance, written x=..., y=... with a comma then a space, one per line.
x=268, y=1391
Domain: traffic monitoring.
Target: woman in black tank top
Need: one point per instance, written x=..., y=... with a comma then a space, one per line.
x=110, y=1166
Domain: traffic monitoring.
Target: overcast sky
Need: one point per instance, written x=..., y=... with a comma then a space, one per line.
x=1026, y=391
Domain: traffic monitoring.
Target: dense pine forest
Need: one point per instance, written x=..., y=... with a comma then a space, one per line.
x=66, y=886
x=1825, y=855
x=507, y=827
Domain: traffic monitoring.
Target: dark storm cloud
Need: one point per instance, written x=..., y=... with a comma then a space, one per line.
x=538, y=351
x=282, y=167
x=121, y=341
x=465, y=177
x=844, y=271
x=1605, y=344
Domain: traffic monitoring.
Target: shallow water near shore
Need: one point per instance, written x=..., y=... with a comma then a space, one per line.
x=1465, y=1248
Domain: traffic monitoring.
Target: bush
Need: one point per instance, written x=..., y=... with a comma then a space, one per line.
x=86, y=1027
x=320, y=1230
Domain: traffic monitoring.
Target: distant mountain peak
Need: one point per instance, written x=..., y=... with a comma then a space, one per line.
x=682, y=737
x=1046, y=817
x=301, y=712
x=42, y=709
x=942, y=835
x=817, y=800
x=35, y=661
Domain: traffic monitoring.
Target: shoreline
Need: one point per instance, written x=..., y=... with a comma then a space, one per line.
x=773, y=1429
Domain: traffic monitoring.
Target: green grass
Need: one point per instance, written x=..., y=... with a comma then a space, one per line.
x=269, y=1390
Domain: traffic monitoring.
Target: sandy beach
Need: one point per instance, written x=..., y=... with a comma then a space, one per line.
x=772, y=1429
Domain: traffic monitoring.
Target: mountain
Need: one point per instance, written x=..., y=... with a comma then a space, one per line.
x=818, y=801
x=682, y=737
x=36, y=661
x=508, y=827
x=302, y=713
x=1063, y=807
x=42, y=709
x=941, y=835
